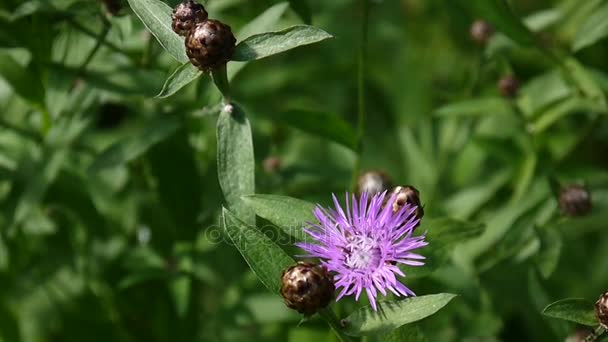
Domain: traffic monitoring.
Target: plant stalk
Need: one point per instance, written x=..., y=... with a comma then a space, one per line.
x=361, y=71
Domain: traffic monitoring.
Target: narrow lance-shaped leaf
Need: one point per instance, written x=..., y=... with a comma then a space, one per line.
x=322, y=124
x=181, y=77
x=289, y=214
x=593, y=30
x=574, y=310
x=392, y=315
x=156, y=15
x=265, y=258
x=271, y=43
x=126, y=150
x=235, y=160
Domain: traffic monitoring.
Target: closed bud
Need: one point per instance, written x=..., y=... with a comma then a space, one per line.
x=408, y=195
x=508, y=86
x=210, y=44
x=481, y=31
x=272, y=164
x=186, y=15
x=601, y=310
x=307, y=287
x=373, y=182
x=574, y=200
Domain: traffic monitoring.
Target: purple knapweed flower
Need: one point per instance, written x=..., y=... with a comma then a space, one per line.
x=363, y=245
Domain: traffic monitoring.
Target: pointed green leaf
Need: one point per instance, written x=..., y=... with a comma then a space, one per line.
x=271, y=43
x=593, y=30
x=322, y=124
x=392, y=315
x=181, y=77
x=265, y=258
x=156, y=16
x=576, y=310
x=235, y=160
x=137, y=144
x=288, y=213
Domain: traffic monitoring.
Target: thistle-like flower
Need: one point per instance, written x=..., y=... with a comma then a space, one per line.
x=363, y=245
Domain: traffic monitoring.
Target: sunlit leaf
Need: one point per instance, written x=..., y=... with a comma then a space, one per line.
x=156, y=15
x=576, y=310
x=392, y=315
x=271, y=43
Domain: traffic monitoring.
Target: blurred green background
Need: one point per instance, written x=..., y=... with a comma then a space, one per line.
x=109, y=198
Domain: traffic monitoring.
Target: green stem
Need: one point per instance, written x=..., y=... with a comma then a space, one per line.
x=220, y=78
x=361, y=68
x=100, y=39
x=596, y=334
x=330, y=317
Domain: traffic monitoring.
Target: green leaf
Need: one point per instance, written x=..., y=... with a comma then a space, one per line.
x=271, y=43
x=265, y=258
x=235, y=160
x=288, y=213
x=593, y=30
x=554, y=113
x=445, y=233
x=550, y=251
x=406, y=333
x=24, y=82
x=576, y=310
x=137, y=144
x=500, y=15
x=392, y=315
x=266, y=21
x=263, y=22
x=584, y=81
x=475, y=107
x=181, y=77
x=322, y=124
x=156, y=16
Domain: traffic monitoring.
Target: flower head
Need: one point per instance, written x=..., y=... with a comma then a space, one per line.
x=364, y=244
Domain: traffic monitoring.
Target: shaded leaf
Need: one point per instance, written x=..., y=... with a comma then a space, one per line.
x=576, y=310
x=288, y=213
x=391, y=315
x=271, y=43
x=302, y=9
x=263, y=22
x=156, y=16
x=181, y=77
x=137, y=144
x=235, y=160
x=593, y=30
x=23, y=82
x=265, y=258
x=321, y=124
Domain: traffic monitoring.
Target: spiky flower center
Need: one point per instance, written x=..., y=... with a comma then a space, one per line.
x=362, y=252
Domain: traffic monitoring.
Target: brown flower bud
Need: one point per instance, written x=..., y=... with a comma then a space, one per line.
x=408, y=195
x=373, y=182
x=307, y=287
x=601, y=310
x=481, y=31
x=272, y=164
x=574, y=200
x=210, y=44
x=508, y=86
x=186, y=15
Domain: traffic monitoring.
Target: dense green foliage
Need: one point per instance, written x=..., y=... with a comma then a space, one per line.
x=136, y=206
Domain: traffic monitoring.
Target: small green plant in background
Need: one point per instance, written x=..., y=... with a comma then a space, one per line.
x=169, y=170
